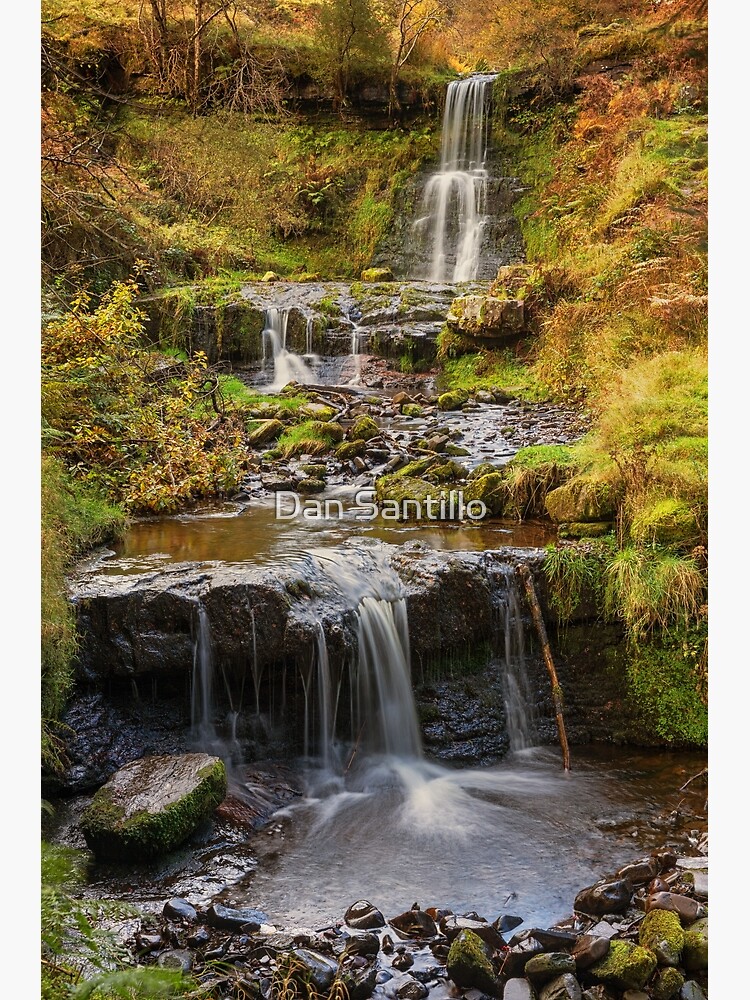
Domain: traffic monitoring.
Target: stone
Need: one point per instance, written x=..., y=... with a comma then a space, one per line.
x=151, y=805
x=661, y=932
x=233, y=919
x=411, y=410
x=176, y=958
x=358, y=982
x=552, y=940
x=582, y=499
x=695, y=950
x=700, y=884
x=692, y=991
x=549, y=965
x=468, y=964
x=635, y=995
x=565, y=987
x=487, y=317
x=363, y=916
x=519, y=989
x=270, y=276
x=491, y=489
x=603, y=929
x=371, y=274
x=307, y=486
x=686, y=908
x=320, y=971
x=589, y=949
x=148, y=942
x=200, y=939
x=348, y=450
x=180, y=909
x=452, y=400
x=451, y=925
x=362, y=944
x=403, y=961
x=625, y=967
x=604, y=897
x=516, y=957
x=483, y=396
x=665, y=858
x=668, y=983
x=582, y=529
x=363, y=429
x=414, y=923
x=412, y=989
x=507, y=922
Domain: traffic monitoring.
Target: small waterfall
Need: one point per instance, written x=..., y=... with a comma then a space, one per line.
x=454, y=203
x=202, y=707
x=356, y=355
x=287, y=367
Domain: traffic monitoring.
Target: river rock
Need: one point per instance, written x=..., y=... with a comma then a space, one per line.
x=583, y=500
x=468, y=964
x=176, y=958
x=589, y=949
x=362, y=944
x=359, y=982
x=180, y=909
x=452, y=925
x=200, y=939
x=640, y=871
x=267, y=430
x=362, y=915
x=411, y=989
x=148, y=942
x=695, y=951
x=403, y=961
x=516, y=957
x=414, y=923
x=565, y=987
x=507, y=922
x=661, y=932
x=549, y=965
x=152, y=805
x=373, y=274
x=233, y=919
x=666, y=858
x=625, y=967
x=552, y=940
x=692, y=991
x=487, y=317
x=604, y=897
x=686, y=908
x=668, y=983
x=519, y=989
x=635, y=995
x=320, y=971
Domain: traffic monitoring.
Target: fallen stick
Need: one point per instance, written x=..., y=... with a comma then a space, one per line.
x=536, y=613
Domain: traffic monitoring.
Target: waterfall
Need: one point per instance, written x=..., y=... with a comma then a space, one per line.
x=202, y=708
x=287, y=367
x=454, y=204
x=356, y=359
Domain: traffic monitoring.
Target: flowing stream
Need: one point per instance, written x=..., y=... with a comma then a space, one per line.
x=287, y=367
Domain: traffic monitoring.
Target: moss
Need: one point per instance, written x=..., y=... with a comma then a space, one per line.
x=468, y=965
x=389, y=489
x=592, y=529
x=311, y=485
x=317, y=411
x=148, y=834
x=483, y=469
x=544, y=454
x=312, y=437
x=661, y=932
x=314, y=469
x=626, y=966
x=374, y=274
x=350, y=449
x=668, y=984
x=666, y=521
x=491, y=489
x=453, y=400
x=582, y=499
x=416, y=468
x=446, y=472
x=411, y=410
x=695, y=952
x=456, y=450
x=363, y=429
x=261, y=433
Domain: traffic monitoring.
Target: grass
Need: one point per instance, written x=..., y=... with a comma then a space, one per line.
x=311, y=437
x=492, y=369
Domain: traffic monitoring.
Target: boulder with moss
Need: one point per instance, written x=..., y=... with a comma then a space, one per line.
x=491, y=489
x=263, y=432
x=666, y=522
x=695, y=951
x=625, y=967
x=585, y=529
x=667, y=984
x=582, y=499
x=411, y=409
x=453, y=400
x=371, y=274
x=363, y=429
x=661, y=932
x=348, y=450
x=487, y=317
x=469, y=965
x=151, y=805
x=317, y=411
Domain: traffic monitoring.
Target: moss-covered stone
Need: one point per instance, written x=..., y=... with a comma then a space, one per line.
x=661, y=932
x=695, y=951
x=411, y=410
x=491, y=489
x=667, y=522
x=483, y=469
x=328, y=429
x=456, y=450
x=363, y=429
x=311, y=485
x=446, y=472
x=582, y=499
x=348, y=450
x=625, y=967
x=152, y=805
x=668, y=983
x=399, y=490
x=453, y=400
x=377, y=274
x=417, y=468
x=317, y=411
x=262, y=433
x=469, y=967
x=582, y=529
x=315, y=470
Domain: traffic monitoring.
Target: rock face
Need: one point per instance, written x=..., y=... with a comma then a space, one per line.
x=152, y=805
x=485, y=317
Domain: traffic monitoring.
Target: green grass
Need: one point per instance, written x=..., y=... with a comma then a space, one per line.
x=311, y=437
x=489, y=369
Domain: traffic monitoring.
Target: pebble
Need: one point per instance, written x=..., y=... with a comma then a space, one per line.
x=414, y=923
x=589, y=949
x=549, y=965
x=412, y=990
x=233, y=919
x=692, y=991
x=686, y=908
x=176, y=958
x=604, y=898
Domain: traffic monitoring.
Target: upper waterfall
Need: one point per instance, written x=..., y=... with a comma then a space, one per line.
x=454, y=205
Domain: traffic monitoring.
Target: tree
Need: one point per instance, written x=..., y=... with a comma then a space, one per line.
x=346, y=29
x=412, y=20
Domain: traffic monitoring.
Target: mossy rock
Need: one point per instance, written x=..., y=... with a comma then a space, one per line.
x=483, y=469
x=315, y=470
x=411, y=410
x=270, y=276
x=582, y=500
x=371, y=274
x=456, y=450
x=661, y=932
x=453, y=400
x=390, y=490
x=152, y=805
x=469, y=967
x=583, y=529
x=262, y=433
x=327, y=429
x=667, y=522
x=695, y=951
x=417, y=468
x=348, y=450
x=311, y=485
x=363, y=429
x=625, y=967
x=446, y=472
x=668, y=983
x=317, y=411
x=491, y=489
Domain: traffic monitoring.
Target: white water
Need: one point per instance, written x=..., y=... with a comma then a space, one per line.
x=517, y=693
x=287, y=367
x=454, y=203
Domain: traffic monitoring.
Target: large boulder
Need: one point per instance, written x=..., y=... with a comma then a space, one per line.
x=377, y=274
x=487, y=317
x=152, y=805
x=582, y=500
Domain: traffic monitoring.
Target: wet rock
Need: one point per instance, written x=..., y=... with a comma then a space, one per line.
x=362, y=915
x=565, y=987
x=453, y=400
x=625, y=967
x=403, y=961
x=640, y=871
x=152, y=805
x=507, y=922
x=468, y=964
x=661, y=932
x=374, y=274
x=516, y=957
x=452, y=926
x=549, y=966
x=604, y=897
x=414, y=923
x=363, y=429
x=200, y=939
x=362, y=944
x=267, y=430
x=491, y=489
x=589, y=949
x=180, y=909
x=233, y=919
x=687, y=909
x=692, y=991
x=412, y=410
x=635, y=995
x=412, y=989
x=552, y=940
x=657, y=885
x=319, y=970
x=359, y=982
x=667, y=985
x=700, y=884
x=148, y=942
x=603, y=929
x=519, y=989
x=695, y=951
x=175, y=958
x=665, y=858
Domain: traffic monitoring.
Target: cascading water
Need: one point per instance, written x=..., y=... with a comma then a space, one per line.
x=517, y=693
x=203, y=705
x=287, y=367
x=454, y=204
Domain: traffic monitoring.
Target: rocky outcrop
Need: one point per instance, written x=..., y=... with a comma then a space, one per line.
x=487, y=318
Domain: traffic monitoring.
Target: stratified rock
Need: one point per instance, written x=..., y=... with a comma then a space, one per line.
x=626, y=966
x=152, y=805
x=565, y=987
x=661, y=932
x=362, y=915
x=233, y=919
x=519, y=989
x=176, y=958
x=180, y=909
x=604, y=897
x=319, y=970
x=414, y=923
x=668, y=984
x=687, y=909
x=695, y=951
x=549, y=965
x=589, y=949
x=468, y=964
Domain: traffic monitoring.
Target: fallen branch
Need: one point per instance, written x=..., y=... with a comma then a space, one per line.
x=536, y=613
